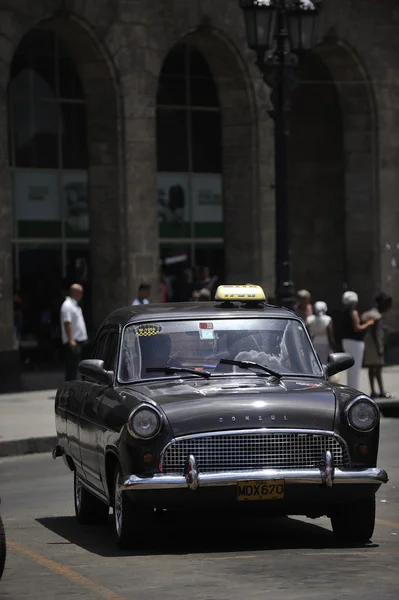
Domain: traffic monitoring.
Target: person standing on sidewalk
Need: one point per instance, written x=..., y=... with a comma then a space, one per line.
x=374, y=345
x=73, y=330
x=321, y=331
x=352, y=334
x=304, y=306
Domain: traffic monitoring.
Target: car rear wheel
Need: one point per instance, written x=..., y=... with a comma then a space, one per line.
x=88, y=508
x=3, y=550
x=354, y=521
x=131, y=521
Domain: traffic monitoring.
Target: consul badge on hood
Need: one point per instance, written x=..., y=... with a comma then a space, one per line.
x=253, y=419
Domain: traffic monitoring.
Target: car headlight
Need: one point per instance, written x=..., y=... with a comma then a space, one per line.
x=144, y=423
x=362, y=414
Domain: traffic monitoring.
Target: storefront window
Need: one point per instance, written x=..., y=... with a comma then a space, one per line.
x=189, y=157
x=48, y=158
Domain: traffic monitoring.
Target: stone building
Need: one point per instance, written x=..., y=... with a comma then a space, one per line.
x=134, y=130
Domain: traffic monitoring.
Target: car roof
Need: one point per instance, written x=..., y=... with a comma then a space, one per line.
x=193, y=310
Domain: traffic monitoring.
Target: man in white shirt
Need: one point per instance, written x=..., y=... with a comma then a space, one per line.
x=73, y=330
x=142, y=295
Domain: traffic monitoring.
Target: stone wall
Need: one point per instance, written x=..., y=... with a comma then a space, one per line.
x=367, y=71
x=120, y=46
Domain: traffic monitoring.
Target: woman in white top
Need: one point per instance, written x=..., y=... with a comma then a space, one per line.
x=321, y=331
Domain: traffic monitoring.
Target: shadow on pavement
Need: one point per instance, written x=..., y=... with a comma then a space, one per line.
x=185, y=533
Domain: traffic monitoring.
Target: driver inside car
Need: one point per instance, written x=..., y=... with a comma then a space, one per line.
x=155, y=352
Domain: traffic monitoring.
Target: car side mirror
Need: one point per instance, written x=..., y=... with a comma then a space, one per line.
x=94, y=369
x=337, y=362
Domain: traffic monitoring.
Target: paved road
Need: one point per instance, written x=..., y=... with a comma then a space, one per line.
x=50, y=556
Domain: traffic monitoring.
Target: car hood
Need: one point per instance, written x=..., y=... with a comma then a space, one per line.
x=196, y=406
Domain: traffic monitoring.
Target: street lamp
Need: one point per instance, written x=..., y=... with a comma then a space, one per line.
x=281, y=32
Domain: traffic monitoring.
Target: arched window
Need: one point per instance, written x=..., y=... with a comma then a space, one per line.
x=48, y=159
x=189, y=161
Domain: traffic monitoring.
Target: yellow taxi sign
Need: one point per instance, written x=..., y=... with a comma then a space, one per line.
x=241, y=293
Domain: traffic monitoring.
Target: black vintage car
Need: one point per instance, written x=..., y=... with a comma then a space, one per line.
x=216, y=404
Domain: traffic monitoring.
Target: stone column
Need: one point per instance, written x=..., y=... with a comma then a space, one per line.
x=141, y=208
x=9, y=356
x=388, y=117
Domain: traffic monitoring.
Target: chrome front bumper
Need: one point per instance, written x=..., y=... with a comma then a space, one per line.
x=326, y=476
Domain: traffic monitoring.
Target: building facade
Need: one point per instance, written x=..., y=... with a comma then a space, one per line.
x=136, y=133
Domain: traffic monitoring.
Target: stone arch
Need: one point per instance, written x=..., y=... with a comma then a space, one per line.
x=359, y=122
x=242, y=231
x=101, y=90
x=333, y=200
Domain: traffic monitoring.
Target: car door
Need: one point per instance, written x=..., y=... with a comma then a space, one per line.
x=89, y=421
x=109, y=399
x=72, y=398
x=74, y=394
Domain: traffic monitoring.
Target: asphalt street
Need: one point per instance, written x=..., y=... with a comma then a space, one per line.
x=51, y=556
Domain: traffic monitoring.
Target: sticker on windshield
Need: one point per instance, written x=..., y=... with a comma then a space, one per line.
x=206, y=331
x=147, y=329
x=206, y=334
x=205, y=326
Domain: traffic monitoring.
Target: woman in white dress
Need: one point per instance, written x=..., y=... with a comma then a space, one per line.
x=321, y=331
x=352, y=334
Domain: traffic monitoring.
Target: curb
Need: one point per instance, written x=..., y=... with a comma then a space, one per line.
x=27, y=446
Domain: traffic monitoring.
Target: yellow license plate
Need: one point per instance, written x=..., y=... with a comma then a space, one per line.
x=261, y=490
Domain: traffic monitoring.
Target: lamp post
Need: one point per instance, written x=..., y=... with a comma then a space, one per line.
x=281, y=32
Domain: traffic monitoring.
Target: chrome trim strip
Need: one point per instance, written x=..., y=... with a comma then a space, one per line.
x=226, y=479
x=191, y=473
x=328, y=469
x=260, y=431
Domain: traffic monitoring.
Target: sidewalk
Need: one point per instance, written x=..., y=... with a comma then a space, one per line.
x=27, y=423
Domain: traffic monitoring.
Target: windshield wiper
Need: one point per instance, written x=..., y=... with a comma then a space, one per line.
x=248, y=364
x=205, y=374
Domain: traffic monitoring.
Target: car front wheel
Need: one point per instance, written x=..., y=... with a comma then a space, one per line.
x=3, y=550
x=131, y=521
x=354, y=521
x=88, y=508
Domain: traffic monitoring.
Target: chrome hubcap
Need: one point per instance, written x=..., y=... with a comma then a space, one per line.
x=118, y=511
x=78, y=494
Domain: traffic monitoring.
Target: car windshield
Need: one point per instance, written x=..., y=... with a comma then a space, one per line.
x=280, y=344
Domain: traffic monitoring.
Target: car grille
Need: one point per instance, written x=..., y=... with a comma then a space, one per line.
x=241, y=452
